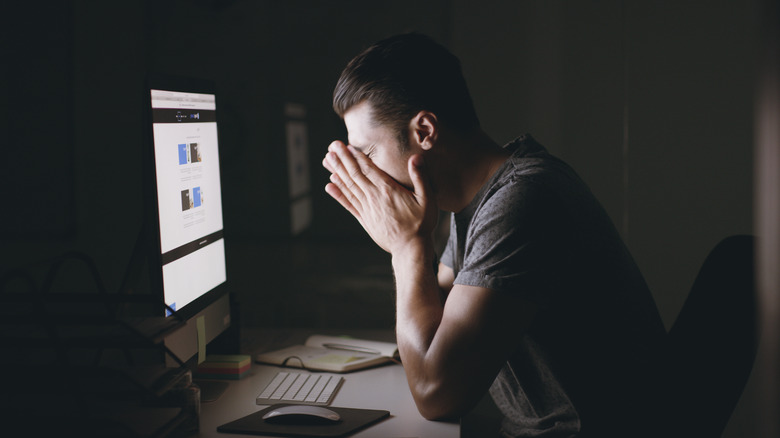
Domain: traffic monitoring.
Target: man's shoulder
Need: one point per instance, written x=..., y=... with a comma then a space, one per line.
x=528, y=157
x=532, y=163
x=526, y=145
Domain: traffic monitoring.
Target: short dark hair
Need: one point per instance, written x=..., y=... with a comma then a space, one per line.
x=402, y=75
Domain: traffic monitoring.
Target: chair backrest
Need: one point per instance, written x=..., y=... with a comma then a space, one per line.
x=713, y=342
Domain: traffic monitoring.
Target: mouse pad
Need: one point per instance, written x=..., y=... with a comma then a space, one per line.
x=351, y=420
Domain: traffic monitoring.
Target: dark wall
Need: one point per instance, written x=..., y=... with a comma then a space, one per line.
x=36, y=118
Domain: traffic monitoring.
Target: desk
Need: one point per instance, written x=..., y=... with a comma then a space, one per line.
x=383, y=387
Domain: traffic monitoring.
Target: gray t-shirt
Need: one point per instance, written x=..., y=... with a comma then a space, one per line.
x=537, y=231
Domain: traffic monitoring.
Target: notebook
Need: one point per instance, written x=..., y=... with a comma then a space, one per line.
x=332, y=353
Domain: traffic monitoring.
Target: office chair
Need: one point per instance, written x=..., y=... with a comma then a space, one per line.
x=713, y=342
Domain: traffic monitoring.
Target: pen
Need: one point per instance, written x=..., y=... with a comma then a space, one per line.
x=351, y=348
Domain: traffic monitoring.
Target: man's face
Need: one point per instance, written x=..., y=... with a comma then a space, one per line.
x=378, y=142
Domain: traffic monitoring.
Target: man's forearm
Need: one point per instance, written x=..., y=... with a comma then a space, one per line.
x=419, y=313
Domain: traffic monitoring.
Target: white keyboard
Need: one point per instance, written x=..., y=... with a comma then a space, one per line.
x=300, y=388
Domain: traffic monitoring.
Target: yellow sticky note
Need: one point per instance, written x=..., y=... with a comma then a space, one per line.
x=201, y=326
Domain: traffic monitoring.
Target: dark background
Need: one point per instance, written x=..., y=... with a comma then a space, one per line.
x=651, y=102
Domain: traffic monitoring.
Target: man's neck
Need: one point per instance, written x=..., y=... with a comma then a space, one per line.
x=470, y=163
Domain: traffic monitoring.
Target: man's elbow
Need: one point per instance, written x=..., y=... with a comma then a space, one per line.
x=437, y=405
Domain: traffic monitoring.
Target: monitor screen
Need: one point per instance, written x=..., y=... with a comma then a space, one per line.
x=184, y=202
x=189, y=200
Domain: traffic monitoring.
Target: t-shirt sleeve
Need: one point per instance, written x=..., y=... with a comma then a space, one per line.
x=508, y=247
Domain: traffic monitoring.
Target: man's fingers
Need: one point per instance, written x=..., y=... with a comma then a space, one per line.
x=368, y=168
x=326, y=161
x=326, y=164
x=343, y=186
x=345, y=165
x=349, y=172
x=348, y=190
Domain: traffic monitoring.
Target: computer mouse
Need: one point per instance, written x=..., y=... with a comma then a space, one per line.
x=301, y=415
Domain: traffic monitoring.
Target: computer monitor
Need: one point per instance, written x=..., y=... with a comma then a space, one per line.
x=184, y=206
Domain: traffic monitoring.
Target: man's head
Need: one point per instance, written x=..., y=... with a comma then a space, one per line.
x=401, y=76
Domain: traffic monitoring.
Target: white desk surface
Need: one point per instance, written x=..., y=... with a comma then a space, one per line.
x=383, y=387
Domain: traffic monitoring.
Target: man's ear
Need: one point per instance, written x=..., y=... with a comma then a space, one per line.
x=424, y=129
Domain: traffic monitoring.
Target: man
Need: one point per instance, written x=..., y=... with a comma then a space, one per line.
x=536, y=299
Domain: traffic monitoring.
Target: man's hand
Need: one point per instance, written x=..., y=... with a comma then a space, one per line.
x=393, y=215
